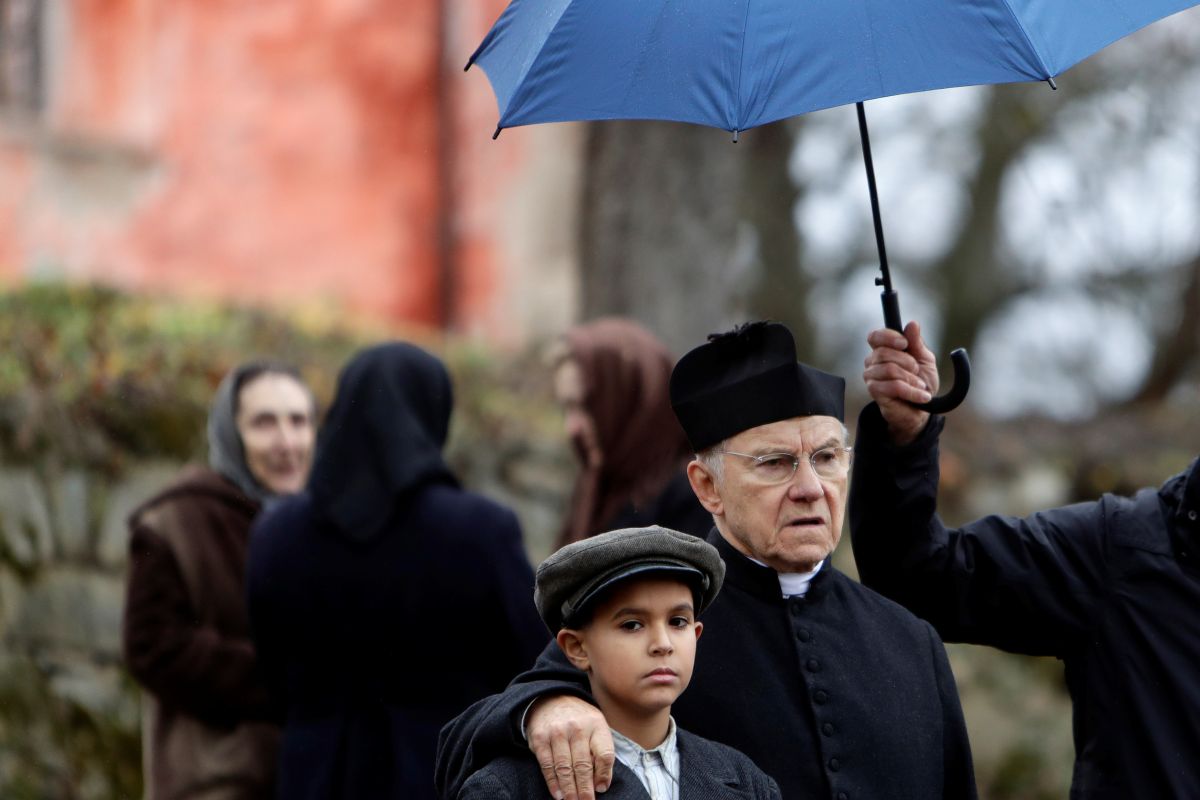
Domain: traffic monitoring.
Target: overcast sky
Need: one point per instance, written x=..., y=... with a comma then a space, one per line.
x=1116, y=184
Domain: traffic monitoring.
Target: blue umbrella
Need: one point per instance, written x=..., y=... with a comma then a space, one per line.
x=737, y=64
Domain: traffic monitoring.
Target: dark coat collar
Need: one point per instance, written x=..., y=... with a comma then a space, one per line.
x=703, y=769
x=1181, y=494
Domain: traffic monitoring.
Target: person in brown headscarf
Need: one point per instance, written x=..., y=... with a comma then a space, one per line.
x=611, y=377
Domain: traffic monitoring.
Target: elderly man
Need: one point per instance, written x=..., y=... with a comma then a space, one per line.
x=208, y=729
x=1111, y=587
x=832, y=690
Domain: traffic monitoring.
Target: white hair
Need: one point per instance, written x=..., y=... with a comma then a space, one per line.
x=710, y=457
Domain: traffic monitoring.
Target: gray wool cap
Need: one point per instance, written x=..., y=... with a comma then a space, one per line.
x=573, y=576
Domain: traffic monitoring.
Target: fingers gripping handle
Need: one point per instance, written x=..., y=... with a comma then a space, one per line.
x=958, y=358
x=958, y=391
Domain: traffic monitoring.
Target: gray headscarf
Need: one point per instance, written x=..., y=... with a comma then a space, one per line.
x=225, y=453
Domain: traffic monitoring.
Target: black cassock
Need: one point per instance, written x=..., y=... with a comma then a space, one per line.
x=1111, y=587
x=841, y=694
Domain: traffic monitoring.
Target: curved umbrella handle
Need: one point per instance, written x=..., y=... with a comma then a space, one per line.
x=958, y=357
x=958, y=390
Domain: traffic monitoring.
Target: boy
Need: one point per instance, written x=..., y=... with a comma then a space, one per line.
x=624, y=605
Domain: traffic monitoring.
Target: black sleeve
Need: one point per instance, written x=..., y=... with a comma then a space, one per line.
x=492, y=727
x=1026, y=585
x=264, y=584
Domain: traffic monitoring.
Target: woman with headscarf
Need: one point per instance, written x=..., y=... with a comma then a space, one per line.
x=385, y=598
x=209, y=726
x=611, y=379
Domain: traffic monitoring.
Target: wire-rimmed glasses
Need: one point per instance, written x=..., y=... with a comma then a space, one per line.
x=830, y=463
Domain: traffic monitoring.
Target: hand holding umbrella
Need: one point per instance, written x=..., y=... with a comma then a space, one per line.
x=901, y=376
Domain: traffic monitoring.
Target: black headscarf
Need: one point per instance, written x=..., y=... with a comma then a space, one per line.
x=382, y=439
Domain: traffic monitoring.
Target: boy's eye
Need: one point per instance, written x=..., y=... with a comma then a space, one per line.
x=680, y=622
x=631, y=625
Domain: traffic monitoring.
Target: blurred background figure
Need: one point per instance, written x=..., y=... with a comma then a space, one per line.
x=206, y=723
x=611, y=378
x=385, y=598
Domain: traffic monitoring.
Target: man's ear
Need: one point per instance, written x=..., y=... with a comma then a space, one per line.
x=705, y=487
x=573, y=646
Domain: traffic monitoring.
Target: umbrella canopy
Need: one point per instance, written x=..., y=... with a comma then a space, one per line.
x=734, y=64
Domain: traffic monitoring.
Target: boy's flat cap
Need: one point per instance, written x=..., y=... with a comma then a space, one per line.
x=573, y=576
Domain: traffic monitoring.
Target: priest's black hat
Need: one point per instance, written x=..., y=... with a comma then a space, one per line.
x=745, y=378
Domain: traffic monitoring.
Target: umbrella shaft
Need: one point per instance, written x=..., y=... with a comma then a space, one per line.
x=885, y=279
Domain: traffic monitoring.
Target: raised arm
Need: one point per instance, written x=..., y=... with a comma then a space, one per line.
x=1027, y=585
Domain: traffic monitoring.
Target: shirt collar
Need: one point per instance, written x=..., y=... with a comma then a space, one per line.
x=795, y=584
x=623, y=742
x=630, y=753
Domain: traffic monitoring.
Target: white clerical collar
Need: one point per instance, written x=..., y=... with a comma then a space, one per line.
x=793, y=584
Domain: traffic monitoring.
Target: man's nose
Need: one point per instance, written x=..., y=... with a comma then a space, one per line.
x=805, y=484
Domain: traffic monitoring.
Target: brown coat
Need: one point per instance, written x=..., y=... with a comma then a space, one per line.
x=207, y=729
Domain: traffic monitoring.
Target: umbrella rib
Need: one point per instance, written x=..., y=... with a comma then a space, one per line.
x=737, y=95
x=1041, y=62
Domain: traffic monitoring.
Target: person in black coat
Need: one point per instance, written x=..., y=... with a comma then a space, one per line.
x=833, y=690
x=384, y=599
x=1110, y=587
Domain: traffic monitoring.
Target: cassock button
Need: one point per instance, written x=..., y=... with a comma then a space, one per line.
x=820, y=697
x=813, y=665
x=827, y=729
x=803, y=634
x=1192, y=515
x=843, y=796
x=834, y=765
x=797, y=606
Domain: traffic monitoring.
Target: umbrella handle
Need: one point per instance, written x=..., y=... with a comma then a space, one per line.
x=958, y=358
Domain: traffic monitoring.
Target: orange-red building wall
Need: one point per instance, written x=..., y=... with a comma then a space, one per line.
x=294, y=152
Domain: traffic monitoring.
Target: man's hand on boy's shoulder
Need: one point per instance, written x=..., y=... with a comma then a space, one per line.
x=573, y=746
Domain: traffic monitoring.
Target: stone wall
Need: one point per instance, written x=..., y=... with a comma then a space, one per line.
x=69, y=726
x=69, y=713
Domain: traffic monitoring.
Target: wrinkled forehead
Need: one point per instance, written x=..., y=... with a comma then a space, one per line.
x=791, y=435
x=274, y=393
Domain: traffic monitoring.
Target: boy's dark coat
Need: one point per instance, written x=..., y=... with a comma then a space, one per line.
x=708, y=771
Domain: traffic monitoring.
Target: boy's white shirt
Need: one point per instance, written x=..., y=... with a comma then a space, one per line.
x=658, y=768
